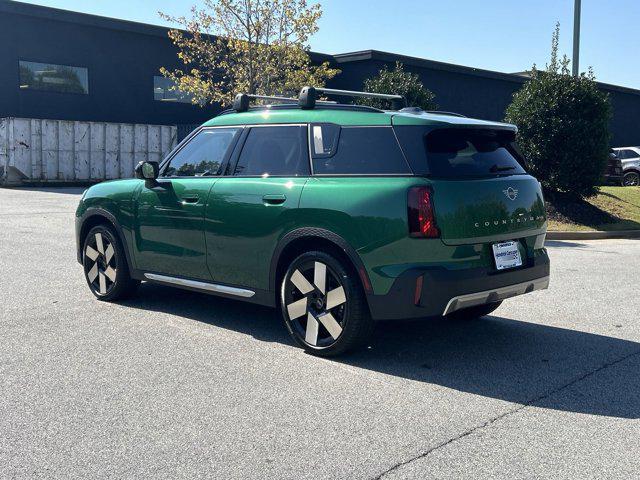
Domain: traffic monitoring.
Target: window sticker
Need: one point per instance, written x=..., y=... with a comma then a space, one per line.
x=318, y=145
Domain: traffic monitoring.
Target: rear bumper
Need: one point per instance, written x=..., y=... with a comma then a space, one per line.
x=438, y=291
x=612, y=179
x=494, y=295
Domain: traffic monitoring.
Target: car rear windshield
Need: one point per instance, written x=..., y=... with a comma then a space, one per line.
x=461, y=152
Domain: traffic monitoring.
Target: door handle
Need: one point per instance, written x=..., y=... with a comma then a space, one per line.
x=190, y=199
x=277, y=199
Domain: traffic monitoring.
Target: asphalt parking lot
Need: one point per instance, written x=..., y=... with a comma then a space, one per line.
x=174, y=384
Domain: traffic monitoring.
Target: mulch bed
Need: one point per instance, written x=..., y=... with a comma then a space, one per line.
x=564, y=209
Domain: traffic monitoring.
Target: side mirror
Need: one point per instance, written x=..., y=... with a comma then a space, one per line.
x=147, y=170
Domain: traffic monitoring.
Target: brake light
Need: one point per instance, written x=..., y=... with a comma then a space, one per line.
x=422, y=220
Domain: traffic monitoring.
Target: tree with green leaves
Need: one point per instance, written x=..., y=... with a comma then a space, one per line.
x=249, y=46
x=398, y=82
x=563, y=126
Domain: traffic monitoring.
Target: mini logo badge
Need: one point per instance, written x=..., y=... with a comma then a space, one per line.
x=511, y=193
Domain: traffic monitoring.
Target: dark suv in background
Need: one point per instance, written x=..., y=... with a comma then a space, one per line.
x=613, y=170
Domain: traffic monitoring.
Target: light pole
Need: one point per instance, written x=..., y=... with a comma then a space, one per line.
x=575, y=64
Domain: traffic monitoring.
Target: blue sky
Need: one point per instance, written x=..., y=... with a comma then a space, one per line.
x=501, y=35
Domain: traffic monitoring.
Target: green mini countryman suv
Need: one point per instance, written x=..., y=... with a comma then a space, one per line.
x=338, y=215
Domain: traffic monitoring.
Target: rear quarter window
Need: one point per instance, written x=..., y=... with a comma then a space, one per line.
x=627, y=154
x=356, y=151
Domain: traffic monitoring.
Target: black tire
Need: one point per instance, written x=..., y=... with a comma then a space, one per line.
x=338, y=309
x=631, y=179
x=105, y=265
x=472, y=313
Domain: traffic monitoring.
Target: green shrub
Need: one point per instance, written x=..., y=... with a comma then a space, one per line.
x=563, y=127
x=398, y=82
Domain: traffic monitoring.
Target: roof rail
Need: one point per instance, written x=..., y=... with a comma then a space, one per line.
x=307, y=99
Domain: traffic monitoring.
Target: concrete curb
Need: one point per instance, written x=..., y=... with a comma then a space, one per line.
x=592, y=235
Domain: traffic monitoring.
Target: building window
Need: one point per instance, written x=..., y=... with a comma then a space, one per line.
x=165, y=90
x=53, y=78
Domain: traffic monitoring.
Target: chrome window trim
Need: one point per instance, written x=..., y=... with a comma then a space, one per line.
x=188, y=138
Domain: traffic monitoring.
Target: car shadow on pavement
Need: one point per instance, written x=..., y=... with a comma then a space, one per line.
x=496, y=357
x=563, y=243
x=63, y=190
x=516, y=361
x=262, y=323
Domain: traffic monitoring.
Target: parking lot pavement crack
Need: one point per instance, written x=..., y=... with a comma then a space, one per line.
x=508, y=413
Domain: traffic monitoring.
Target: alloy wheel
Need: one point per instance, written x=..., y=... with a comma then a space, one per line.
x=631, y=179
x=316, y=304
x=100, y=263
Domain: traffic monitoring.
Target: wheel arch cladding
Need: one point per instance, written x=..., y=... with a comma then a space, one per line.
x=307, y=239
x=94, y=217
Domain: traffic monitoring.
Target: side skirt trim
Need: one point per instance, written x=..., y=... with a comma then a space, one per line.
x=490, y=296
x=211, y=287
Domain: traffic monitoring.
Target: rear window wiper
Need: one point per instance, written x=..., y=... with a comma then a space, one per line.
x=496, y=168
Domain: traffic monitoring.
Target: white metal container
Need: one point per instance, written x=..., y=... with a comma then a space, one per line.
x=35, y=150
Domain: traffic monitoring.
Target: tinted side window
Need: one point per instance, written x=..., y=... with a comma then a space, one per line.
x=269, y=151
x=363, y=151
x=626, y=154
x=411, y=138
x=203, y=155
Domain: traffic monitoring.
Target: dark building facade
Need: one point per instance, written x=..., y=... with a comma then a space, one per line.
x=107, y=70
x=480, y=93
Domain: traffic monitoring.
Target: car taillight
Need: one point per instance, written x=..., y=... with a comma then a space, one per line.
x=422, y=220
